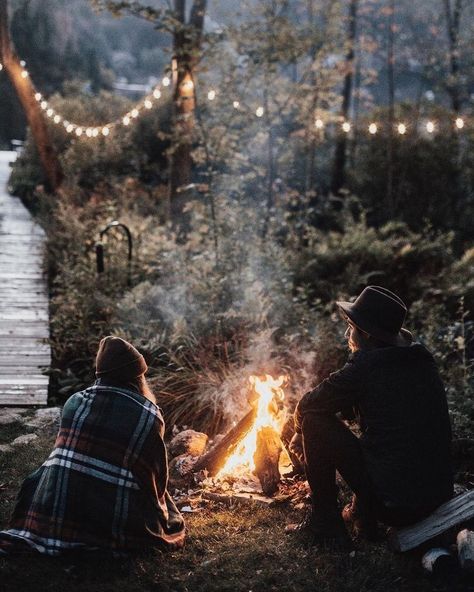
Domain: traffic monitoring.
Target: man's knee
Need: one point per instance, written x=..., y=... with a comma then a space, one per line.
x=315, y=426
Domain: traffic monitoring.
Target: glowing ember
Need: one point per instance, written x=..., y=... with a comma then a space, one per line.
x=269, y=393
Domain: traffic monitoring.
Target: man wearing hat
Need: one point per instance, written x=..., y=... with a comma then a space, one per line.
x=399, y=469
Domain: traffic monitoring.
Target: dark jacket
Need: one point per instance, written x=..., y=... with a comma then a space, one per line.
x=403, y=414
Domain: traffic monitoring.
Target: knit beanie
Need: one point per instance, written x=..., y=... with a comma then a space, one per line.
x=116, y=358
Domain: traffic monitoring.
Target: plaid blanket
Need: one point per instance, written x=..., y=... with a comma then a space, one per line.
x=105, y=483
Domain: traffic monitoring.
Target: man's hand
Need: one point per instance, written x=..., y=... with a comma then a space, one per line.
x=296, y=448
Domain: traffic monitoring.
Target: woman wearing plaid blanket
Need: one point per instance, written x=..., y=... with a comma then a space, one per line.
x=104, y=486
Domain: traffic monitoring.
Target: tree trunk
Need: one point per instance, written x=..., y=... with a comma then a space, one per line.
x=186, y=45
x=453, y=21
x=391, y=109
x=339, y=166
x=26, y=95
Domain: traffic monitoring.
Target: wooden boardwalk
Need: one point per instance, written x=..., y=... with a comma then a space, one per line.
x=24, y=316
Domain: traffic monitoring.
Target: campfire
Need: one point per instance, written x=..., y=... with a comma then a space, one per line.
x=253, y=445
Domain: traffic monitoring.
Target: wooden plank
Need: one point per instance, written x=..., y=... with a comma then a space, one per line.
x=38, y=398
x=450, y=514
x=24, y=304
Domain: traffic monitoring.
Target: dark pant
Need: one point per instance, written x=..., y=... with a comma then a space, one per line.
x=329, y=445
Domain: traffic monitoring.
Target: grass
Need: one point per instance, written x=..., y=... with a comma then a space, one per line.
x=227, y=550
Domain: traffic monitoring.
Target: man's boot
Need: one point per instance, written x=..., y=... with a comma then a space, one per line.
x=325, y=528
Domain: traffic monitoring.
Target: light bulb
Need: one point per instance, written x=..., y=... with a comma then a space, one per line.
x=44, y=105
x=260, y=111
x=70, y=128
x=430, y=127
x=49, y=112
x=24, y=74
x=38, y=96
x=134, y=113
x=319, y=124
x=57, y=118
x=157, y=93
x=126, y=120
x=402, y=129
x=211, y=95
x=236, y=104
x=373, y=128
x=346, y=127
x=166, y=81
x=78, y=131
x=459, y=122
x=105, y=131
x=148, y=104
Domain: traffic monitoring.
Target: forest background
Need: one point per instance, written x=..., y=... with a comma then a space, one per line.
x=236, y=268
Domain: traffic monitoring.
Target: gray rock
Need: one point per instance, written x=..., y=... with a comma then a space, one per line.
x=188, y=442
x=180, y=468
x=44, y=418
x=23, y=440
x=9, y=415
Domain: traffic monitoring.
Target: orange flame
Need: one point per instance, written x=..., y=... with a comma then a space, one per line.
x=270, y=392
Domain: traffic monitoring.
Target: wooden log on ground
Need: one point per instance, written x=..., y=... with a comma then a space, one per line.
x=465, y=544
x=215, y=459
x=245, y=499
x=267, y=458
x=455, y=512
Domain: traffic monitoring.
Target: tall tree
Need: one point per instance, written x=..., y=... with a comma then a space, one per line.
x=391, y=104
x=453, y=11
x=339, y=165
x=187, y=38
x=186, y=33
x=26, y=95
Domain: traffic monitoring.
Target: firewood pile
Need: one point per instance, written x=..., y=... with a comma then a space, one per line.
x=196, y=461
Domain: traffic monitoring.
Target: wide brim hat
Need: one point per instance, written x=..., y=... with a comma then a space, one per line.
x=380, y=313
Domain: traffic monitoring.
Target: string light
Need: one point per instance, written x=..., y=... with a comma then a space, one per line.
x=402, y=129
x=147, y=103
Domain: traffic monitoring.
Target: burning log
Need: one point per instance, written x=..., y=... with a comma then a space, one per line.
x=215, y=459
x=266, y=459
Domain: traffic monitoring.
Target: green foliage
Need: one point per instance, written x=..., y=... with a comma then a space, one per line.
x=87, y=163
x=432, y=176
